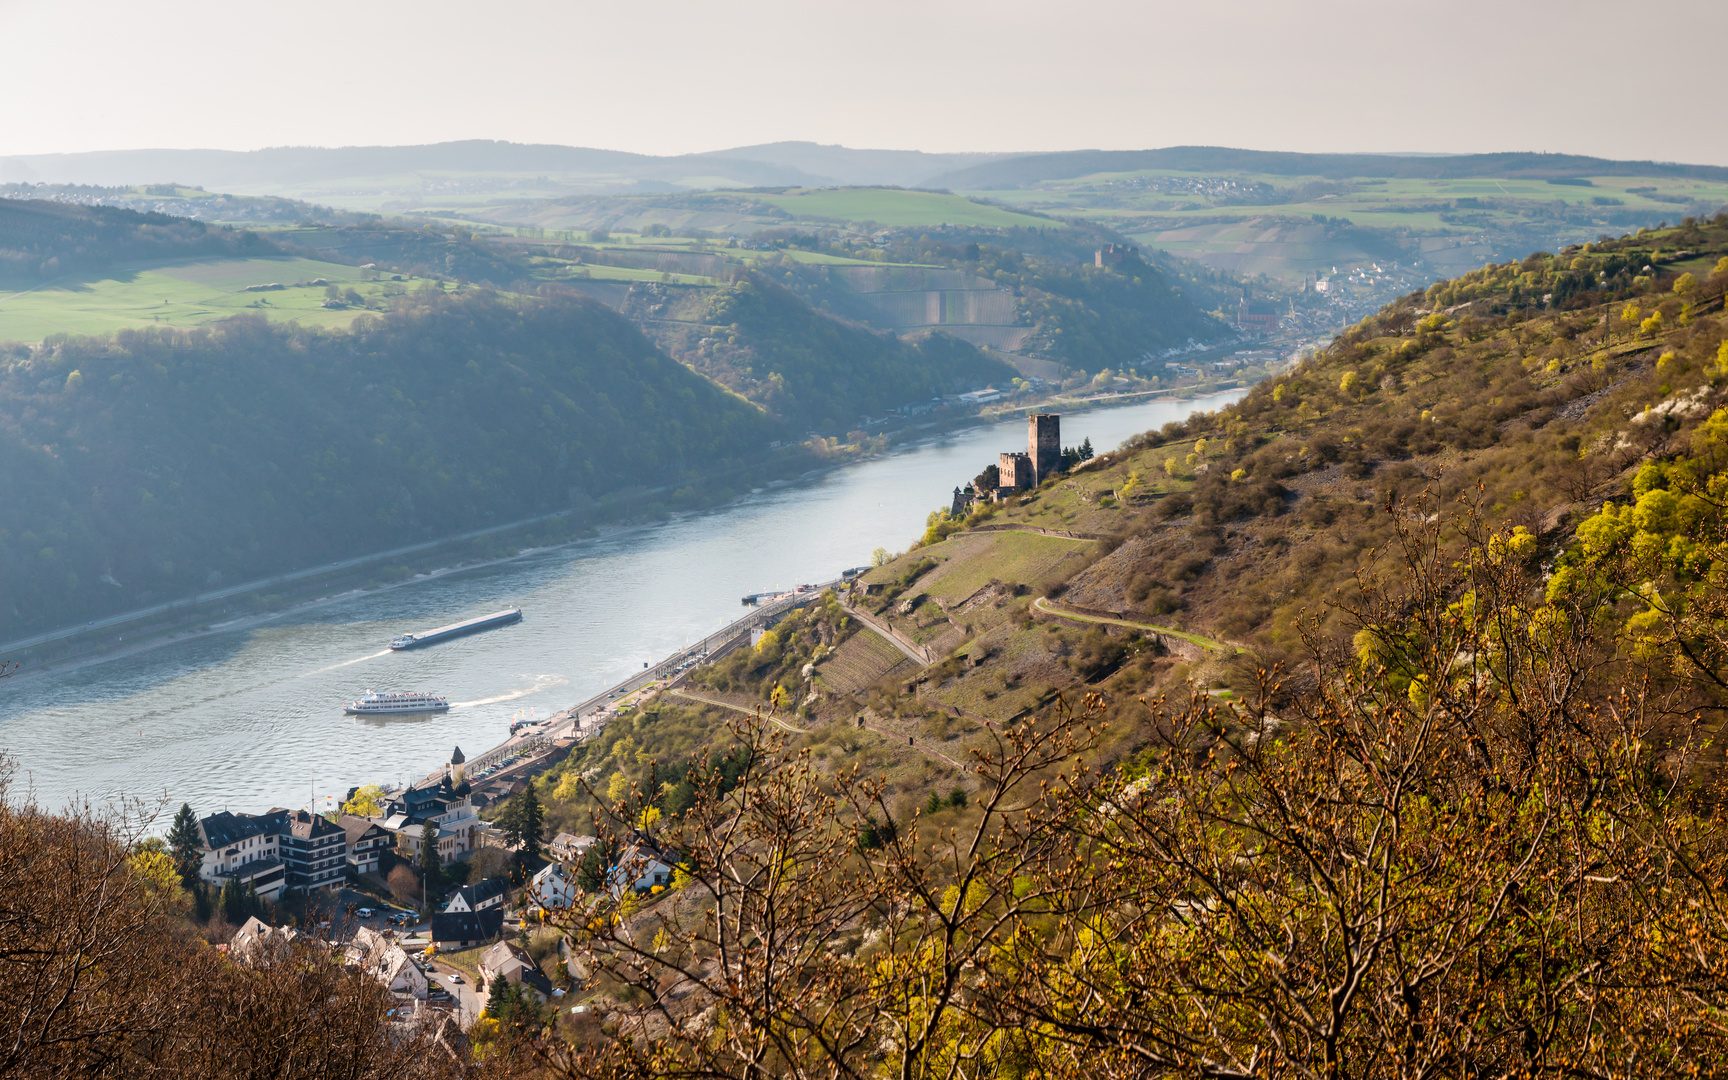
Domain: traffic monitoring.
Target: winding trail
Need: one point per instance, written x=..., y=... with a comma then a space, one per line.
x=1203, y=642
x=881, y=630
x=916, y=745
x=717, y=703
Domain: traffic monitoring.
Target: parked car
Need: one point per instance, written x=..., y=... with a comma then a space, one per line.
x=456, y=979
x=364, y=913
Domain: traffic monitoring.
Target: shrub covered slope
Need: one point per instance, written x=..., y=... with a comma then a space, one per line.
x=160, y=463
x=1379, y=735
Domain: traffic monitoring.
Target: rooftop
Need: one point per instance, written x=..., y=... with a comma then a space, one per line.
x=224, y=829
x=467, y=925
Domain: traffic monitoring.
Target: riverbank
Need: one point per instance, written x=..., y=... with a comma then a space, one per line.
x=245, y=712
x=261, y=602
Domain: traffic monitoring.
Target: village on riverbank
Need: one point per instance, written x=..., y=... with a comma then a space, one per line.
x=419, y=889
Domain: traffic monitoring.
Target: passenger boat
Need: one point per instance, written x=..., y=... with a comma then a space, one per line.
x=455, y=630
x=408, y=701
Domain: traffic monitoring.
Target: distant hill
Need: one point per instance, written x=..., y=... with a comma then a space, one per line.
x=844, y=165
x=256, y=171
x=1027, y=169
x=267, y=171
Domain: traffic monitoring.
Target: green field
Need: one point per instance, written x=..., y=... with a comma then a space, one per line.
x=895, y=208
x=596, y=272
x=183, y=293
x=1483, y=217
x=1104, y=194
x=975, y=559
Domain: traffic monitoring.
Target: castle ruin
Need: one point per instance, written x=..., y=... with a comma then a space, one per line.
x=1044, y=446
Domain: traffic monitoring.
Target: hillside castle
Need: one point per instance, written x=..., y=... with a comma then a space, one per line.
x=1020, y=471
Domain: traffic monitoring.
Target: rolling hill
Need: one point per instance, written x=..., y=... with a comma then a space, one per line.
x=1026, y=169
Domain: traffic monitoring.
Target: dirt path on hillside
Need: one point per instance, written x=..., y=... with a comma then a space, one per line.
x=913, y=742
x=1196, y=639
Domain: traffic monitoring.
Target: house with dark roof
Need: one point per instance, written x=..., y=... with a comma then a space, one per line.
x=420, y=802
x=466, y=929
x=245, y=849
x=510, y=962
x=641, y=866
x=554, y=887
x=479, y=896
x=568, y=847
x=367, y=842
x=315, y=851
x=431, y=798
x=275, y=852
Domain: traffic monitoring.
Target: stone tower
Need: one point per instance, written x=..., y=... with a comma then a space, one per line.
x=453, y=771
x=1044, y=445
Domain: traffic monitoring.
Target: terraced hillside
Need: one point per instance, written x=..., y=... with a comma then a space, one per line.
x=1222, y=540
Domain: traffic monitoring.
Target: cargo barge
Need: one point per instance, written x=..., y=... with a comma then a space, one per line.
x=456, y=630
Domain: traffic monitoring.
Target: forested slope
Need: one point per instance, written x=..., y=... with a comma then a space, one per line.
x=813, y=370
x=159, y=463
x=42, y=240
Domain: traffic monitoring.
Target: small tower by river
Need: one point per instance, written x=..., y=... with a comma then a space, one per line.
x=453, y=771
x=1044, y=445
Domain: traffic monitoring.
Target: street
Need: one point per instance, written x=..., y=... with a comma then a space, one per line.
x=469, y=1001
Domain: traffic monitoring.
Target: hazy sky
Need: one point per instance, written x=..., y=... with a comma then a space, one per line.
x=668, y=76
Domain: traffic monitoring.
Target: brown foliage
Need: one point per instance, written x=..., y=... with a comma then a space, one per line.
x=102, y=979
x=1480, y=842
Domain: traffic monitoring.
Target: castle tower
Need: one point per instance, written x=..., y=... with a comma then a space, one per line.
x=1044, y=445
x=453, y=771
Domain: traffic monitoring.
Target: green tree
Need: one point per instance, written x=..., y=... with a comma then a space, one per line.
x=431, y=868
x=232, y=902
x=502, y=998
x=591, y=871
x=521, y=822
x=184, y=842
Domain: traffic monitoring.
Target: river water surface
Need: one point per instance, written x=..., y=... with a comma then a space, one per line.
x=251, y=718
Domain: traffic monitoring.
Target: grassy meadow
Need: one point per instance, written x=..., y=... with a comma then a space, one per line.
x=183, y=294
x=1255, y=238
x=898, y=208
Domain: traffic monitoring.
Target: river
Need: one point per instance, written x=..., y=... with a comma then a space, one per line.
x=251, y=718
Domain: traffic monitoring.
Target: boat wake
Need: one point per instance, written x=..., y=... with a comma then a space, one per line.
x=347, y=663
x=543, y=682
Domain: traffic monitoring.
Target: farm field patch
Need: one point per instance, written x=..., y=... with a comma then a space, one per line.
x=1007, y=556
x=896, y=208
x=180, y=294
